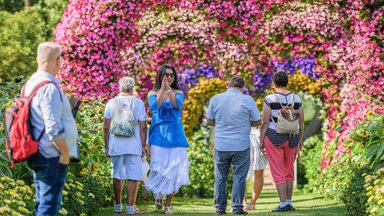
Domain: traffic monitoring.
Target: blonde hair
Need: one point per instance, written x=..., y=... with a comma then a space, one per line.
x=126, y=84
x=47, y=52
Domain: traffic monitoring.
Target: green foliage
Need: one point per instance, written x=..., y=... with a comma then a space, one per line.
x=19, y=42
x=21, y=33
x=7, y=92
x=201, y=159
x=367, y=141
x=85, y=190
x=309, y=161
x=89, y=185
x=91, y=143
x=356, y=178
x=85, y=193
x=51, y=11
x=16, y=197
x=11, y=5
x=374, y=186
x=344, y=181
x=366, y=147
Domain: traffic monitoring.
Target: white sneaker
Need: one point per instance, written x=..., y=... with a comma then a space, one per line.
x=131, y=210
x=118, y=208
x=137, y=211
x=167, y=210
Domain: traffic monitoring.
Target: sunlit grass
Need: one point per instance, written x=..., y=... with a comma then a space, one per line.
x=305, y=204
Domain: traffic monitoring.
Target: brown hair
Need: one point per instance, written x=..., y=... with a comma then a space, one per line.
x=160, y=75
x=280, y=79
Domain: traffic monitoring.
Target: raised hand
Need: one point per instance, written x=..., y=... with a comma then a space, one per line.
x=164, y=83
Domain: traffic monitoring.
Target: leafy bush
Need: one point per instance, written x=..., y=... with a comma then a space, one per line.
x=198, y=97
x=86, y=193
x=367, y=141
x=309, y=161
x=11, y=5
x=366, y=147
x=21, y=33
x=201, y=172
x=8, y=91
x=357, y=178
x=19, y=42
x=374, y=186
x=91, y=143
x=16, y=197
x=344, y=181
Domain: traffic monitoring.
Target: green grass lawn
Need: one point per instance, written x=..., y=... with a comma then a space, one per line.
x=305, y=204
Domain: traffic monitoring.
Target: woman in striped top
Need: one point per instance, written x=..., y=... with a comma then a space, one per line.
x=281, y=149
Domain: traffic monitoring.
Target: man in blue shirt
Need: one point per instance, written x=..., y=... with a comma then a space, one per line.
x=232, y=113
x=51, y=117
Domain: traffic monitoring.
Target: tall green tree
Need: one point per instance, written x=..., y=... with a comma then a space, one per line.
x=20, y=34
x=11, y=5
x=16, y=5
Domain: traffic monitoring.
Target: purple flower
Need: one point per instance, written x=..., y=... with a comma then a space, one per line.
x=189, y=77
x=306, y=66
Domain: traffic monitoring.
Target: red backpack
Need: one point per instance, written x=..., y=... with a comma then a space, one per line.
x=19, y=140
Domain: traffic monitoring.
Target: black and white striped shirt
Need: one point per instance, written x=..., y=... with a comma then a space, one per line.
x=274, y=101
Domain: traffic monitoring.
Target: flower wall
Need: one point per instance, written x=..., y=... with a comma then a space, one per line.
x=332, y=49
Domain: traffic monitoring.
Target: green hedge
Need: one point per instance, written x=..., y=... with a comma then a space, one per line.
x=201, y=171
x=309, y=161
x=356, y=178
x=7, y=92
x=20, y=34
x=16, y=197
x=344, y=181
x=89, y=185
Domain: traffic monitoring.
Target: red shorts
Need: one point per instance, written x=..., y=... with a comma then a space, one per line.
x=281, y=160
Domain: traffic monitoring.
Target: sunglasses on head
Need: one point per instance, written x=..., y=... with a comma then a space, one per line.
x=169, y=74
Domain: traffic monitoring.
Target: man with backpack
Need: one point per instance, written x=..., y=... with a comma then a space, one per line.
x=54, y=126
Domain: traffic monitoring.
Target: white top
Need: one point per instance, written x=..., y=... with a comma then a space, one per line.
x=120, y=145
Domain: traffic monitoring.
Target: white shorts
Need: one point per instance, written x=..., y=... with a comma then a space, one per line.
x=127, y=167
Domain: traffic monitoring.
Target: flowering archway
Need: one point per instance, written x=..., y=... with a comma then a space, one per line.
x=332, y=49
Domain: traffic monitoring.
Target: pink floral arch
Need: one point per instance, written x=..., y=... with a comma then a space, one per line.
x=104, y=40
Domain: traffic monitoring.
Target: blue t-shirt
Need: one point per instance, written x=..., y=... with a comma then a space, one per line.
x=232, y=112
x=167, y=129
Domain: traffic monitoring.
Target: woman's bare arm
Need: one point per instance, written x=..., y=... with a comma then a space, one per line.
x=266, y=116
